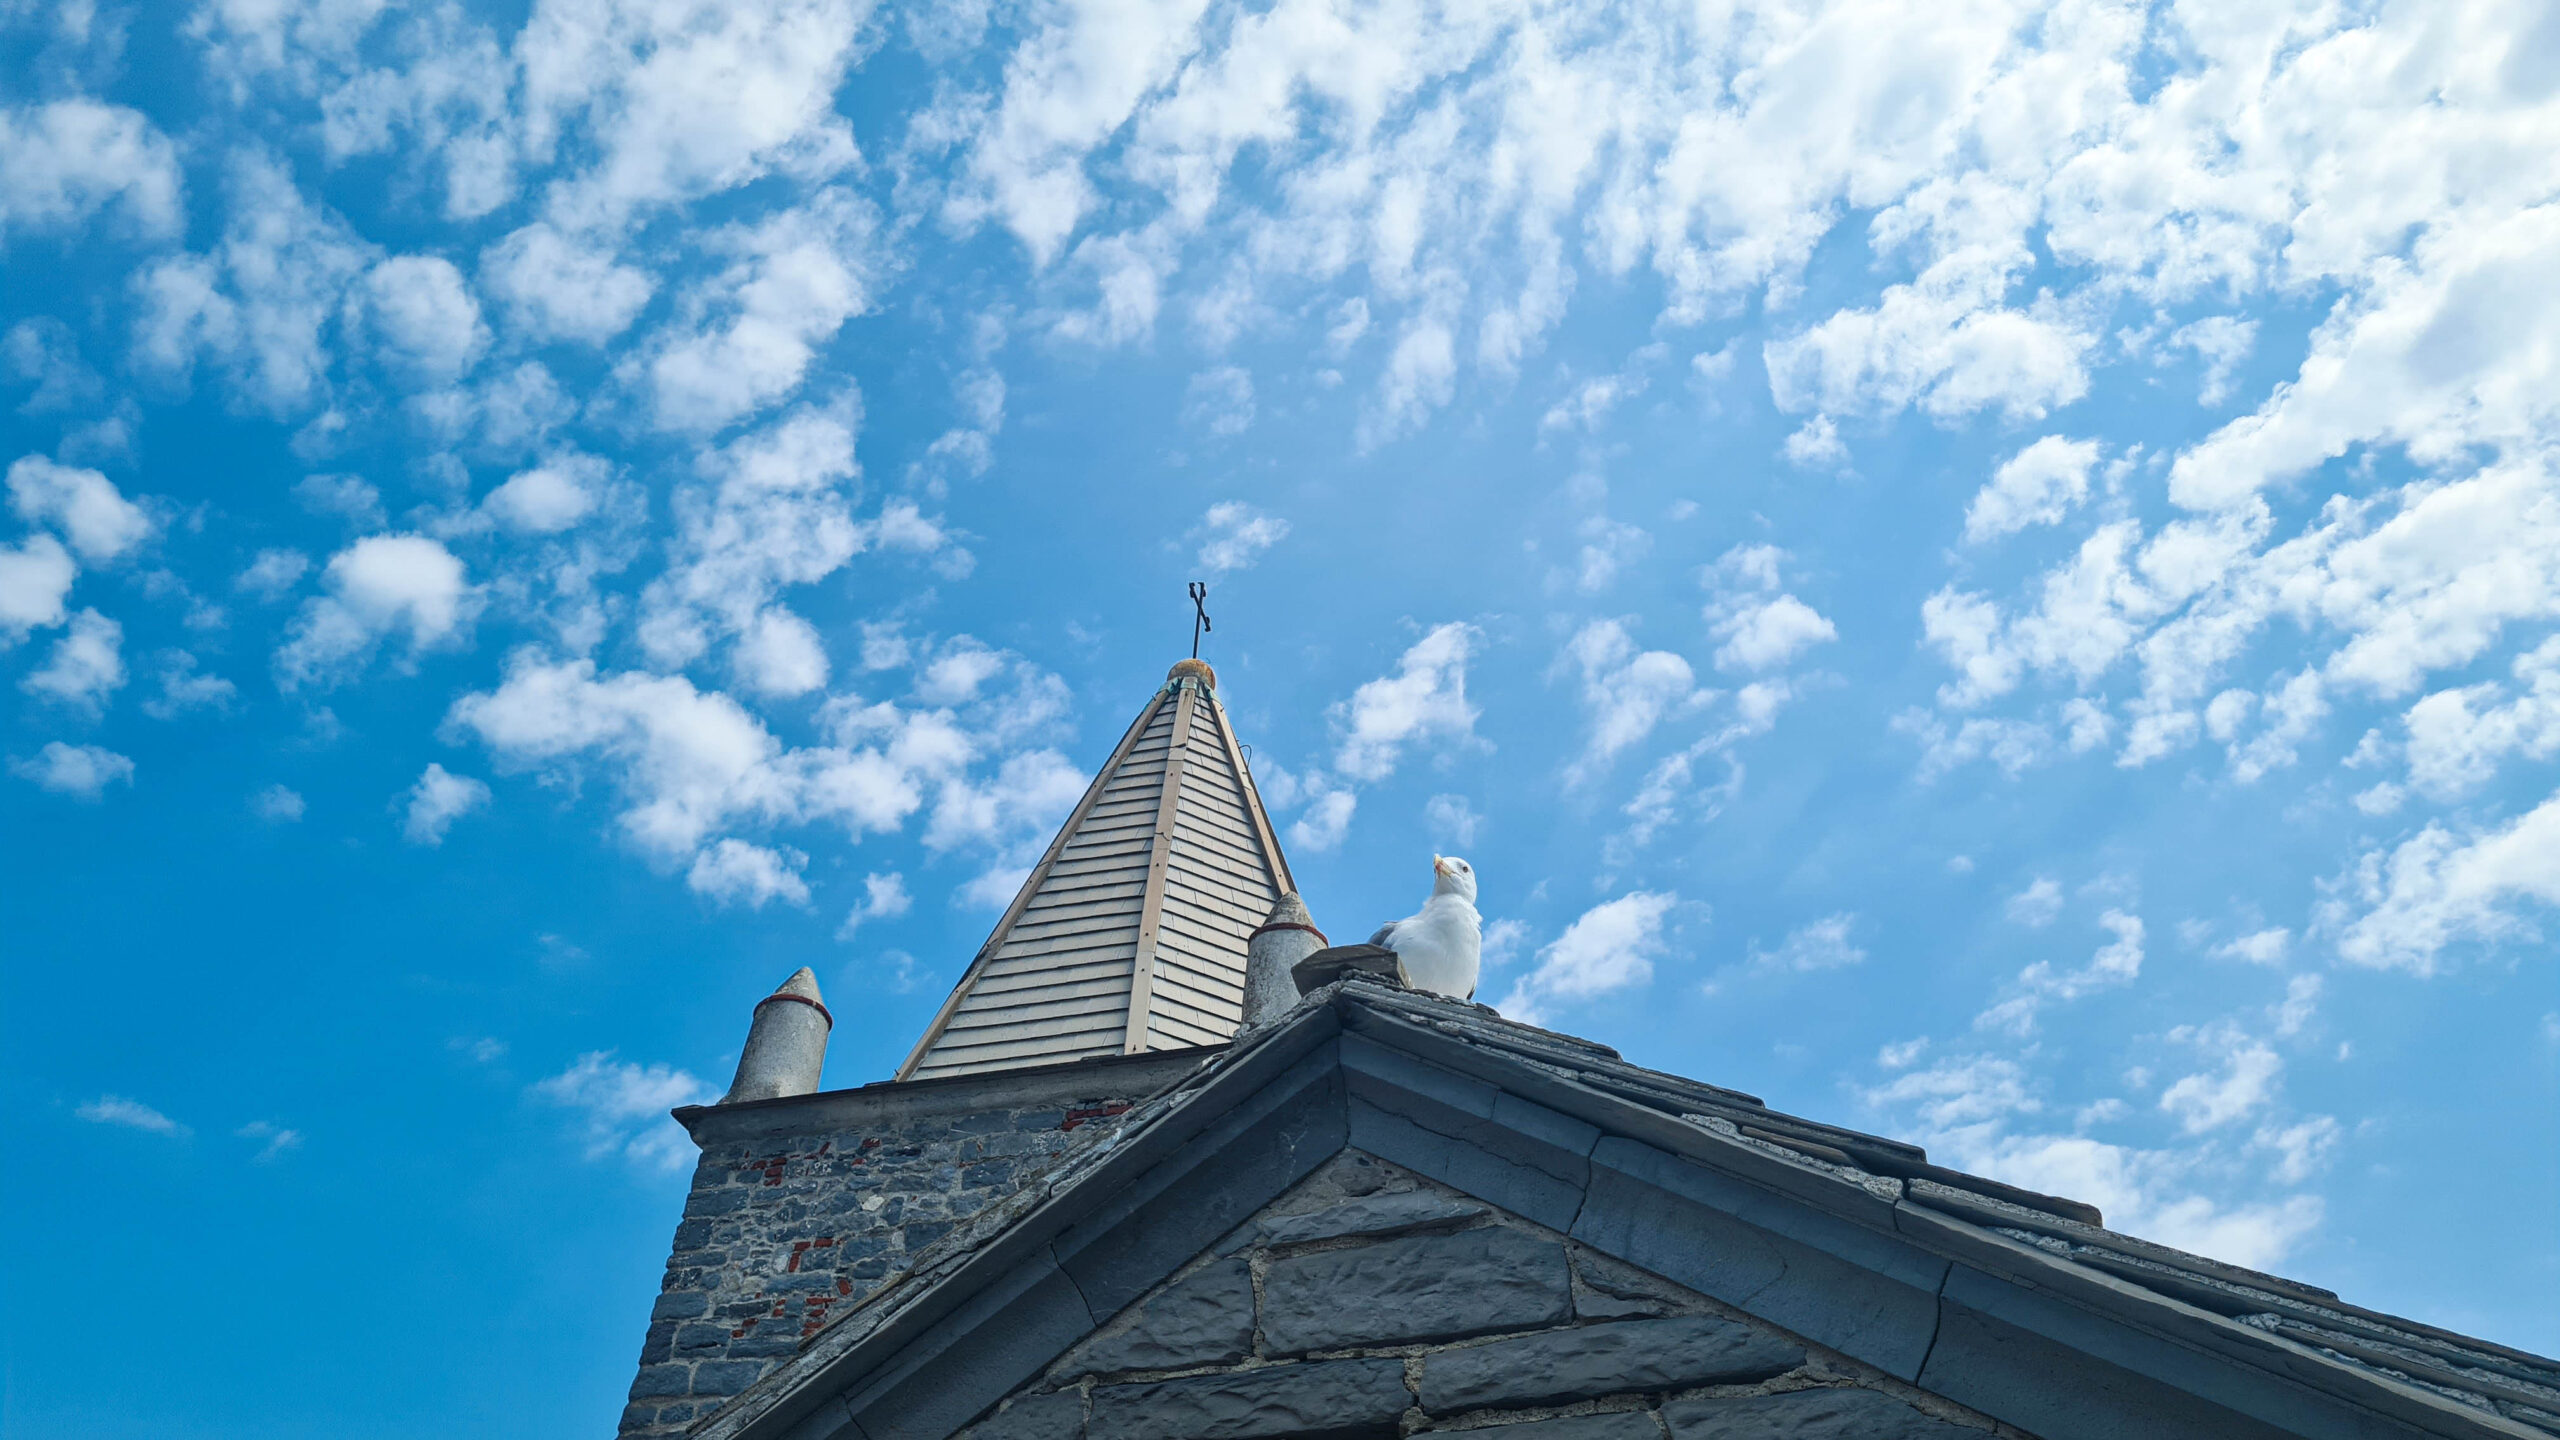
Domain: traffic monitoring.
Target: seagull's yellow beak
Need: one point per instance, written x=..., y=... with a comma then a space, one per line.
x=1439, y=866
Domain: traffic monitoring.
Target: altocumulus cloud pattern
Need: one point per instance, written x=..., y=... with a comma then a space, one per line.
x=1985, y=570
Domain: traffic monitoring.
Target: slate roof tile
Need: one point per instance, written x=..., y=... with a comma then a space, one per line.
x=2515, y=1392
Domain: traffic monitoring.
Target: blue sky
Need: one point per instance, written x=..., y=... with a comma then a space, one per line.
x=1981, y=572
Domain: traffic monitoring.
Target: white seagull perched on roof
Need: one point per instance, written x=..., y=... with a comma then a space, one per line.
x=1440, y=947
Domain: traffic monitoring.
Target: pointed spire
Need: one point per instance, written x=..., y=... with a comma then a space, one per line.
x=786, y=1044
x=1131, y=933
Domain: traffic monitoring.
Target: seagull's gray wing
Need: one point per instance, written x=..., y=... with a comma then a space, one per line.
x=1383, y=932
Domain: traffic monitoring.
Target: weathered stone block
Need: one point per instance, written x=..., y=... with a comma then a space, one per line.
x=1335, y=1400
x=662, y=1380
x=1597, y=1360
x=1611, y=1425
x=1368, y=1215
x=1839, y=1414
x=680, y=1305
x=1058, y=1416
x=725, y=1377
x=1206, y=1319
x=1431, y=1287
x=716, y=1202
x=695, y=1336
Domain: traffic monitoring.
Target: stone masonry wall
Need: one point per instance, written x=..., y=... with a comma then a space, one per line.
x=802, y=1207
x=1370, y=1303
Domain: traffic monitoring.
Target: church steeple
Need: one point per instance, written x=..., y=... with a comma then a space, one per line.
x=1131, y=932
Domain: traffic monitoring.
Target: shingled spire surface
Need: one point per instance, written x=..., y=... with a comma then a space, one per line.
x=1130, y=934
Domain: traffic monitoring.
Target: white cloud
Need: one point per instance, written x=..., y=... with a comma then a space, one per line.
x=1816, y=445
x=264, y=302
x=2301, y=1002
x=2039, y=904
x=1451, y=820
x=277, y=1141
x=1626, y=692
x=1975, y=1113
x=2300, y=1149
x=378, y=587
x=277, y=805
x=2401, y=908
x=772, y=509
x=1761, y=628
x=274, y=572
x=2244, y=1085
x=2222, y=342
x=2259, y=947
x=558, y=286
x=781, y=655
x=1769, y=633
x=132, y=1114
x=684, y=99
x=86, y=666
x=1608, y=547
x=1012, y=814
x=424, y=315
x=2013, y=745
x=1822, y=944
x=350, y=497
x=1326, y=820
x=2378, y=371
x=439, y=798
x=553, y=496
x=83, y=505
x=884, y=897
x=1072, y=83
x=2116, y=963
x=622, y=1108
x=63, y=162
x=1944, y=343
x=1232, y=535
x=687, y=761
x=742, y=340
x=2458, y=738
x=733, y=872
x=1425, y=700
x=2037, y=486
x=1219, y=401
x=35, y=577
x=1610, y=947
x=82, y=772
x=690, y=765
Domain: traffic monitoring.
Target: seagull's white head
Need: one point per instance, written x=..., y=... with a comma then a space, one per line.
x=1453, y=876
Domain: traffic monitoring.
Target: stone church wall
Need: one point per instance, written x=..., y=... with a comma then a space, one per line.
x=1370, y=1303
x=802, y=1207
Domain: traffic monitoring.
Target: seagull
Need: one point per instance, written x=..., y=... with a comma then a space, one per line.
x=1440, y=947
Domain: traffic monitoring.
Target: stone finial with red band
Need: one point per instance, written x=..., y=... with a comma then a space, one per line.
x=1288, y=935
x=786, y=1045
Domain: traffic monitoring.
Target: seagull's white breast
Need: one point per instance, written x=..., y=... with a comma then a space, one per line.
x=1442, y=947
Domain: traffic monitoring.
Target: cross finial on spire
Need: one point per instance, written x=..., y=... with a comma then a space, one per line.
x=1200, y=616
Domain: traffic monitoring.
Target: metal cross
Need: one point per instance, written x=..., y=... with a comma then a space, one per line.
x=1200, y=621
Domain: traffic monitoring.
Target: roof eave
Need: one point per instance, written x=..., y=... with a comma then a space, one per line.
x=1426, y=1100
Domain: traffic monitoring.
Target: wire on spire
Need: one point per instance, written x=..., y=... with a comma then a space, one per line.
x=1200, y=616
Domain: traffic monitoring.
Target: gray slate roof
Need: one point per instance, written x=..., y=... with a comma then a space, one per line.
x=1130, y=933
x=2023, y=1306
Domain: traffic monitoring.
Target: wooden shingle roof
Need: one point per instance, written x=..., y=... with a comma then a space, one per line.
x=1130, y=933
